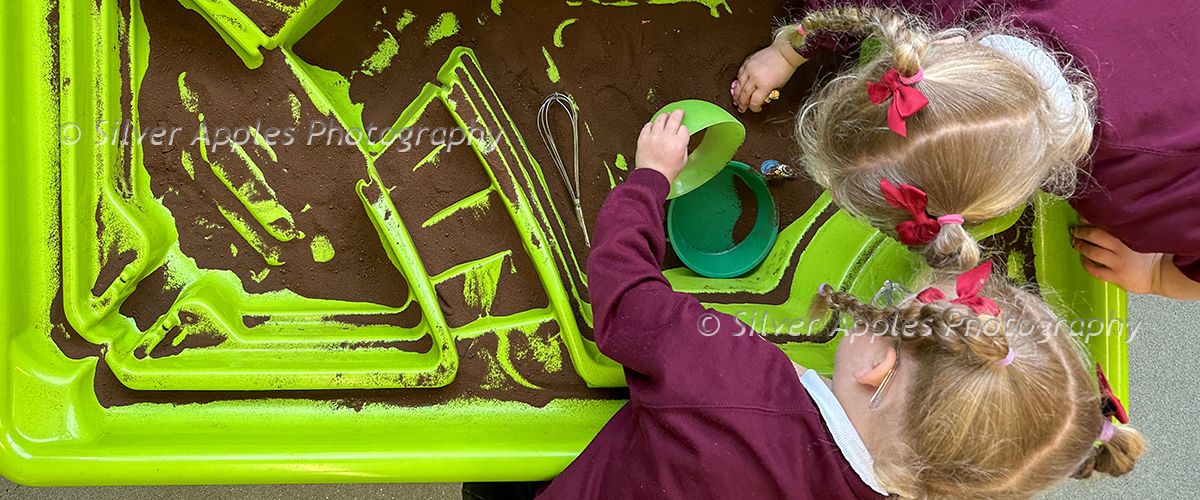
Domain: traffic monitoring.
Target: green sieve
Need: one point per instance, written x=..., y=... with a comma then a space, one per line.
x=700, y=224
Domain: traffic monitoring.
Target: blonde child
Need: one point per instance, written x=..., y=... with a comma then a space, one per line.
x=968, y=389
x=980, y=116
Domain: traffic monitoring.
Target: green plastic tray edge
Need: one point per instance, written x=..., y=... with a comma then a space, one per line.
x=27, y=221
x=1102, y=309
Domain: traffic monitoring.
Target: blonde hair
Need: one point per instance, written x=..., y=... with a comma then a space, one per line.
x=974, y=427
x=988, y=139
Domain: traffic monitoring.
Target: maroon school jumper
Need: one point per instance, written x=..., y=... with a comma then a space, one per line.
x=1143, y=57
x=721, y=416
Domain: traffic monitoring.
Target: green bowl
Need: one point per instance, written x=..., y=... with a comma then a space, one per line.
x=700, y=224
x=723, y=135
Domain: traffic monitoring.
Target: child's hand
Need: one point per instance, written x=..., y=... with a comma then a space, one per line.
x=663, y=145
x=1107, y=258
x=762, y=72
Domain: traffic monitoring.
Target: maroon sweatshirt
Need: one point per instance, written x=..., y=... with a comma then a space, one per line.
x=722, y=415
x=1145, y=173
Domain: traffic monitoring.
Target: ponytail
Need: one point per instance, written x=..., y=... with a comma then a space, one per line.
x=1116, y=456
x=953, y=249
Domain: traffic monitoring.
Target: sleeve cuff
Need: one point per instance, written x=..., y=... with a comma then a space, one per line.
x=652, y=179
x=1189, y=266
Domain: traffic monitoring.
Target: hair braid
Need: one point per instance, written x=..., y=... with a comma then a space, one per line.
x=1026, y=447
x=906, y=43
x=950, y=328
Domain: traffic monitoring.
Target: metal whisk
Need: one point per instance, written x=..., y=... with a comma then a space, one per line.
x=567, y=104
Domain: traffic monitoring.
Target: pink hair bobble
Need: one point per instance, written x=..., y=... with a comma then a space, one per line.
x=906, y=99
x=946, y=220
x=1007, y=359
x=1107, y=431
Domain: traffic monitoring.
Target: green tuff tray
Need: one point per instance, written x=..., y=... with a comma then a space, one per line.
x=53, y=430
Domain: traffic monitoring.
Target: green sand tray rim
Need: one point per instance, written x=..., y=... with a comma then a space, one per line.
x=225, y=384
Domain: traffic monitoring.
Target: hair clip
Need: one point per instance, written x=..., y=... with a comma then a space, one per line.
x=906, y=99
x=923, y=228
x=968, y=286
x=1110, y=406
x=890, y=294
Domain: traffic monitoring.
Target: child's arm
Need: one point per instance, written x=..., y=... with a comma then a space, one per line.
x=1107, y=258
x=630, y=297
x=675, y=351
x=1174, y=283
x=772, y=67
x=764, y=71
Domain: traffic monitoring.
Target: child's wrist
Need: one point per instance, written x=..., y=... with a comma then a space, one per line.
x=653, y=178
x=783, y=46
x=654, y=168
x=1157, y=273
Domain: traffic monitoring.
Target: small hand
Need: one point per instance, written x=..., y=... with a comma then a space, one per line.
x=663, y=145
x=1107, y=258
x=762, y=72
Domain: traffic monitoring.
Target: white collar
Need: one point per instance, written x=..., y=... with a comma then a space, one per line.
x=844, y=434
x=1041, y=64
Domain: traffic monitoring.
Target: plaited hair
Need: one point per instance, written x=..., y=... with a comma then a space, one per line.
x=972, y=428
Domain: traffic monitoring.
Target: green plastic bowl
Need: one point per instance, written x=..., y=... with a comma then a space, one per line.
x=723, y=135
x=700, y=224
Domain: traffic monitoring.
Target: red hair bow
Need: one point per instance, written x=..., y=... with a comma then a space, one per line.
x=1109, y=404
x=923, y=228
x=906, y=99
x=968, y=287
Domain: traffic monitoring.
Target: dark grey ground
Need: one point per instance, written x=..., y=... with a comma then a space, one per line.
x=1165, y=406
